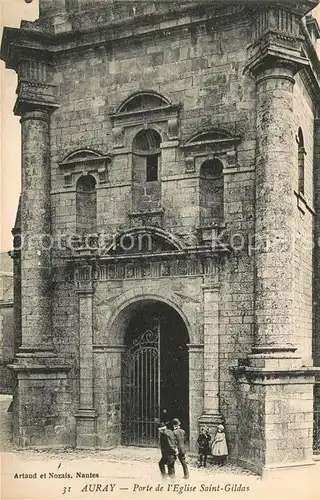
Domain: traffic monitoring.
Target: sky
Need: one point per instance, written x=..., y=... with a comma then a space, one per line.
x=11, y=13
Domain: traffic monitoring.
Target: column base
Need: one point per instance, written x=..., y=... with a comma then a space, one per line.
x=86, y=419
x=40, y=405
x=279, y=389
x=39, y=351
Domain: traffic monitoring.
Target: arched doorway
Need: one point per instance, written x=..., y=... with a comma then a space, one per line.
x=155, y=372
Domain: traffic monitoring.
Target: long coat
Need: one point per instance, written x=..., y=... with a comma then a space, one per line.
x=180, y=439
x=219, y=446
x=168, y=443
x=204, y=443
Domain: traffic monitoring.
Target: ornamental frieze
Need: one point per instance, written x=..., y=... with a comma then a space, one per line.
x=145, y=270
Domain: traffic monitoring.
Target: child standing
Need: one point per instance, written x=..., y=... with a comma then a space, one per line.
x=219, y=448
x=204, y=446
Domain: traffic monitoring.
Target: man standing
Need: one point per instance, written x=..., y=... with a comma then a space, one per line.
x=180, y=439
x=168, y=451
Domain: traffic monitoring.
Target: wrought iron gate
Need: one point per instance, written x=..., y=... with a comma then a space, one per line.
x=141, y=388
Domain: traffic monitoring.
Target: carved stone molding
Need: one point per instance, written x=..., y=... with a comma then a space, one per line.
x=145, y=108
x=142, y=269
x=153, y=218
x=206, y=145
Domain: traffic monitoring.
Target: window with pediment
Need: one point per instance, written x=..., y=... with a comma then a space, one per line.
x=142, y=125
x=208, y=154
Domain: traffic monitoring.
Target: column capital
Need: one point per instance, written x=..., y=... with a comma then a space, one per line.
x=277, y=62
x=211, y=287
x=85, y=288
x=35, y=96
x=195, y=347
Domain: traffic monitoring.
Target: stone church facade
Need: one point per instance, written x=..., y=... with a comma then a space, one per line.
x=164, y=260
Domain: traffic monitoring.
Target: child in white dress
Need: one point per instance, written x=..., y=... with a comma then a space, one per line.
x=219, y=449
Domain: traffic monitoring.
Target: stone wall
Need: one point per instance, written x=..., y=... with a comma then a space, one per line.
x=204, y=72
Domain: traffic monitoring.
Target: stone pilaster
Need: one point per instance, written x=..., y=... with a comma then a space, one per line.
x=211, y=326
x=107, y=387
x=86, y=414
x=316, y=287
x=196, y=380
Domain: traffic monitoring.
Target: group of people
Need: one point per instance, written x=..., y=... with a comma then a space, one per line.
x=173, y=446
x=217, y=447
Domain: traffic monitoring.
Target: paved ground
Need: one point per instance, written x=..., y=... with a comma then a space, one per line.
x=129, y=472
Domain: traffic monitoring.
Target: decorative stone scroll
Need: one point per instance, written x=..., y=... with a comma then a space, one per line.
x=189, y=164
x=118, y=137
x=173, y=129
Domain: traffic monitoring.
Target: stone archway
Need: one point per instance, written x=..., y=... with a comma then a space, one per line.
x=154, y=370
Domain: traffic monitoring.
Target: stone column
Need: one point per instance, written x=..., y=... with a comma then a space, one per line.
x=211, y=414
x=36, y=234
x=275, y=393
x=274, y=230
x=86, y=414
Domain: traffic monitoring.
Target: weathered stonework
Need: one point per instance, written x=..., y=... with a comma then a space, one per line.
x=173, y=136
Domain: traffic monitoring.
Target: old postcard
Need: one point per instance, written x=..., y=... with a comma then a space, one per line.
x=160, y=261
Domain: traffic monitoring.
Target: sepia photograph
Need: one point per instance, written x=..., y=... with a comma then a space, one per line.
x=160, y=249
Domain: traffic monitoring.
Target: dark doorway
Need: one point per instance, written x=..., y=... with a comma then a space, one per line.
x=155, y=373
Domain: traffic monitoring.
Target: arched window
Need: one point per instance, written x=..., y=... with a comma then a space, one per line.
x=146, y=144
x=211, y=192
x=86, y=205
x=301, y=155
x=146, y=155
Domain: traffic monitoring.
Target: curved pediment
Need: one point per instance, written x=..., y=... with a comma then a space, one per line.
x=210, y=137
x=143, y=100
x=84, y=155
x=142, y=240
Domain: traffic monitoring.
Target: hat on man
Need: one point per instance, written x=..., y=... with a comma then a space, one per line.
x=176, y=421
x=220, y=427
x=162, y=426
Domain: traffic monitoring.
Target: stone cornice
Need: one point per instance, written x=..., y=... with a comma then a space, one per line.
x=35, y=37
x=86, y=255
x=300, y=7
x=266, y=373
